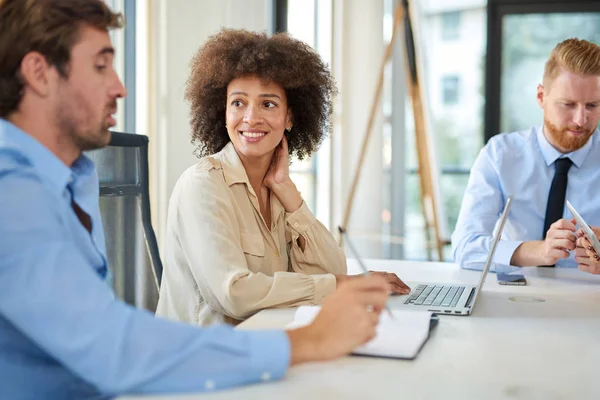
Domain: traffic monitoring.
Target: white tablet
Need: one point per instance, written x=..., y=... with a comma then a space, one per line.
x=589, y=234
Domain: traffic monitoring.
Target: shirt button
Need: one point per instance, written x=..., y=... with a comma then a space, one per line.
x=275, y=253
x=265, y=377
x=296, y=224
x=209, y=384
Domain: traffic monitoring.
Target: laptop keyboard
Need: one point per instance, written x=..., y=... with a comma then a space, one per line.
x=439, y=296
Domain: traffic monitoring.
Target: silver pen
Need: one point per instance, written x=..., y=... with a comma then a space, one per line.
x=358, y=259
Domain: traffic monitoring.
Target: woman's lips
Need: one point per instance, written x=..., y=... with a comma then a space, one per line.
x=252, y=137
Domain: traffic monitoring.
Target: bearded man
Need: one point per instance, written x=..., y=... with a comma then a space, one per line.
x=540, y=167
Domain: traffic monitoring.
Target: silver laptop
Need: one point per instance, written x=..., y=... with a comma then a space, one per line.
x=448, y=298
x=453, y=299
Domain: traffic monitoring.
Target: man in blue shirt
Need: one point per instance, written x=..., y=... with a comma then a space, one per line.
x=62, y=332
x=540, y=167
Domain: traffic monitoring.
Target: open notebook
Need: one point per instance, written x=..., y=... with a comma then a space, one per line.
x=401, y=337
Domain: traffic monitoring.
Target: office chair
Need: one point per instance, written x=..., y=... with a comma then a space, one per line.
x=124, y=202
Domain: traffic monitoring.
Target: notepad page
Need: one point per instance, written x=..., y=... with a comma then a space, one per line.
x=401, y=337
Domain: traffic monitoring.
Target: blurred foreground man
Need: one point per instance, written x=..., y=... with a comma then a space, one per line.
x=62, y=332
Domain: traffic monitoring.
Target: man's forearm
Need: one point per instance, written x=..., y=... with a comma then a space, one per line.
x=302, y=347
x=528, y=254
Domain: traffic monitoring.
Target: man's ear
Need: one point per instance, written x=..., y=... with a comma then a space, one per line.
x=540, y=95
x=35, y=72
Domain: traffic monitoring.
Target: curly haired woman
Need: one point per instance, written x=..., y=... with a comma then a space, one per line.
x=239, y=236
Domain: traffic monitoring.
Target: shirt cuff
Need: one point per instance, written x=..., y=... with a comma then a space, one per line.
x=301, y=219
x=270, y=354
x=505, y=251
x=325, y=284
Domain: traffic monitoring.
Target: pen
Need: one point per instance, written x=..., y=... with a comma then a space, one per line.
x=362, y=266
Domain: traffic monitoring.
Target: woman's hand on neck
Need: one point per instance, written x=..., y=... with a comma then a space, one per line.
x=277, y=178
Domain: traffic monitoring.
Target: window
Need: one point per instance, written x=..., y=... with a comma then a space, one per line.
x=527, y=40
x=524, y=33
x=450, y=89
x=310, y=21
x=456, y=114
x=124, y=42
x=450, y=25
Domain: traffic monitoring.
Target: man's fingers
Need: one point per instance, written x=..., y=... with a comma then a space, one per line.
x=562, y=234
x=581, y=242
x=368, y=291
x=370, y=335
x=562, y=244
x=580, y=252
x=582, y=260
x=374, y=317
x=376, y=300
x=590, y=269
x=558, y=253
x=564, y=224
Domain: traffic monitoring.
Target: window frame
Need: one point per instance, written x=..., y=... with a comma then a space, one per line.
x=496, y=11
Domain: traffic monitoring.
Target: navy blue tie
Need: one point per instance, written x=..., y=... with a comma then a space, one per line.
x=558, y=191
x=84, y=217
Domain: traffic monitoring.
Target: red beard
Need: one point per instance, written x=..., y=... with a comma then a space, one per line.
x=563, y=139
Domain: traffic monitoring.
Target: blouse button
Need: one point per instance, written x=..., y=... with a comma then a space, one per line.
x=209, y=384
x=265, y=377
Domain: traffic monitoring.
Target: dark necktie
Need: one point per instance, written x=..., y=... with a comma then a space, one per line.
x=84, y=217
x=558, y=190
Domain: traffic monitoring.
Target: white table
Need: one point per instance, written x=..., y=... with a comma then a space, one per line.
x=540, y=341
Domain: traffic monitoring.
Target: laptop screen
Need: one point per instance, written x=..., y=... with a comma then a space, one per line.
x=490, y=257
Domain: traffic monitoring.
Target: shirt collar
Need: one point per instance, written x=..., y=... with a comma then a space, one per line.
x=234, y=172
x=233, y=169
x=550, y=154
x=46, y=164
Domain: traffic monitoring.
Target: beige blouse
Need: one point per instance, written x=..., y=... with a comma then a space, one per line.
x=222, y=264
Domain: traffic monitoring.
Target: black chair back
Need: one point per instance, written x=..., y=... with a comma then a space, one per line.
x=124, y=203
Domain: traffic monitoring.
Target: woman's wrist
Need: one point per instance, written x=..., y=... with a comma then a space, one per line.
x=288, y=195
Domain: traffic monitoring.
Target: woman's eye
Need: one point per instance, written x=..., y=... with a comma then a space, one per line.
x=100, y=67
x=236, y=103
x=269, y=104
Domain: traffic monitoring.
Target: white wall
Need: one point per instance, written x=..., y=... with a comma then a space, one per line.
x=357, y=56
x=178, y=28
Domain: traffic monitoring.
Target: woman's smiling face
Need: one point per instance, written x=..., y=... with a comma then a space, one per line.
x=257, y=115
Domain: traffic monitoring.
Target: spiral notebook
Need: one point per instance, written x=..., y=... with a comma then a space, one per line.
x=400, y=337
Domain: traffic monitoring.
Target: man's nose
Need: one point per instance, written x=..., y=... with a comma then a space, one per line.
x=119, y=90
x=580, y=117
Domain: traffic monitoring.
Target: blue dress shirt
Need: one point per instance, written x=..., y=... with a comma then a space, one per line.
x=521, y=164
x=63, y=334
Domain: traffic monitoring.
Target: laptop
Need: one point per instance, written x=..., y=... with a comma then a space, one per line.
x=449, y=298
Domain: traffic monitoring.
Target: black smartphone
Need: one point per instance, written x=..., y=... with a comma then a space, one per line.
x=511, y=279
